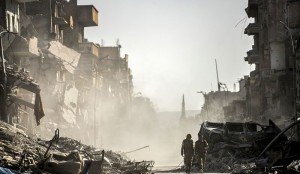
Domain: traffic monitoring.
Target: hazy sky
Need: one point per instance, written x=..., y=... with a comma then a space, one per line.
x=172, y=45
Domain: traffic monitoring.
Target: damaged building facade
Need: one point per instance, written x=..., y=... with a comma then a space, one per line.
x=257, y=128
x=60, y=33
x=117, y=78
x=20, y=90
x=272, y=85
x=224, y=104
x=272, y=89
x=73, y=76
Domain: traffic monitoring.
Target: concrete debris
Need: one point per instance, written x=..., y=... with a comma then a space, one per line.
x=20, y=79
x=141, y=167
x=294, y=166
x=250, y=148
x=20, y=153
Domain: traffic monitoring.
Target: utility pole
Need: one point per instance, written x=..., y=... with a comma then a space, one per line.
x=95, y=109
x=219, y=87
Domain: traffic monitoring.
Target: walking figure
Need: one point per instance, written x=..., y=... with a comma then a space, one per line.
x=187, y=151
x=201, y=147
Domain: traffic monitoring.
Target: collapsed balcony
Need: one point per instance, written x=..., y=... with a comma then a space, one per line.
x=252, y=29
x=67, y=56
x=64, y=22
x=22, y=47
x=252, y=57
x=21, y=80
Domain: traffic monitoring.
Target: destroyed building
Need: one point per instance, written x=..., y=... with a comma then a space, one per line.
x=272, y=89
x=237, y=109
x=218, y=105
x=272, y=85
x=76, y=76
x=60, y=33
x=271, y=94
x=21, y=89
x=47, y=58
x=116, y=76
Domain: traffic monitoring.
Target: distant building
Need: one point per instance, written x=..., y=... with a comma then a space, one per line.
x=237, y=109
x=224, y=105
x=182, y=116
x=214, y=102
x=117, y=77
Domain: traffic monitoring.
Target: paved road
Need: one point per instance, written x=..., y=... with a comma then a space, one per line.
x=191, y=173
x=163, y=169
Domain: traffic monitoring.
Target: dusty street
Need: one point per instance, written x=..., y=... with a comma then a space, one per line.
x=135, y=87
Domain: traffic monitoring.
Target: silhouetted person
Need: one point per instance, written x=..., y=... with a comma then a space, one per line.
x=187, y=151
x=201, y=147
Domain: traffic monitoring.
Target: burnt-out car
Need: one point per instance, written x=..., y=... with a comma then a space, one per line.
x=247, y=136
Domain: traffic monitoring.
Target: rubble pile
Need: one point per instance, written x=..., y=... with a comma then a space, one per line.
x=21, y=153
x=233, y=143
x=142, y=167
x=14, y=143
x=294, y=166
x=229, y=159
x=250, y=148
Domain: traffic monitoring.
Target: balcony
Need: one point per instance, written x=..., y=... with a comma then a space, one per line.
x=253, y=2
x=252, y=57
x=23, y=1
x=87, y=15
x=25, y=48
x=252, y=8
x=64, y=23
x=252, y=29
x=89, y=48
x=60, y=21
x=68, y=56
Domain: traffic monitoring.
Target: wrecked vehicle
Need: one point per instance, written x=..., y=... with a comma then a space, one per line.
x=251, y=148
x=249, y=135
x=232, y=143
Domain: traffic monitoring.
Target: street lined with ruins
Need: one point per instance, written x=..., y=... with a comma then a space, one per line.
x=203, y=86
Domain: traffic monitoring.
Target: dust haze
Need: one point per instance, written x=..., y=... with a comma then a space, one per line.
x=87, y=87
x=135, y=129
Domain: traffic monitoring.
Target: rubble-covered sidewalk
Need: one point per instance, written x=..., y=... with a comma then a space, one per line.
x=22, y=154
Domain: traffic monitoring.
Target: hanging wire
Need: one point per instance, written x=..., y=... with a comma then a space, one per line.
x=244, y=20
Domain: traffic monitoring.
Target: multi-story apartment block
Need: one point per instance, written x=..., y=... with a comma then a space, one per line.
x=47, y=42
x=60, y=28
x=117, y=77
x=79, y=79
x=20, y=88
x=271, y=86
